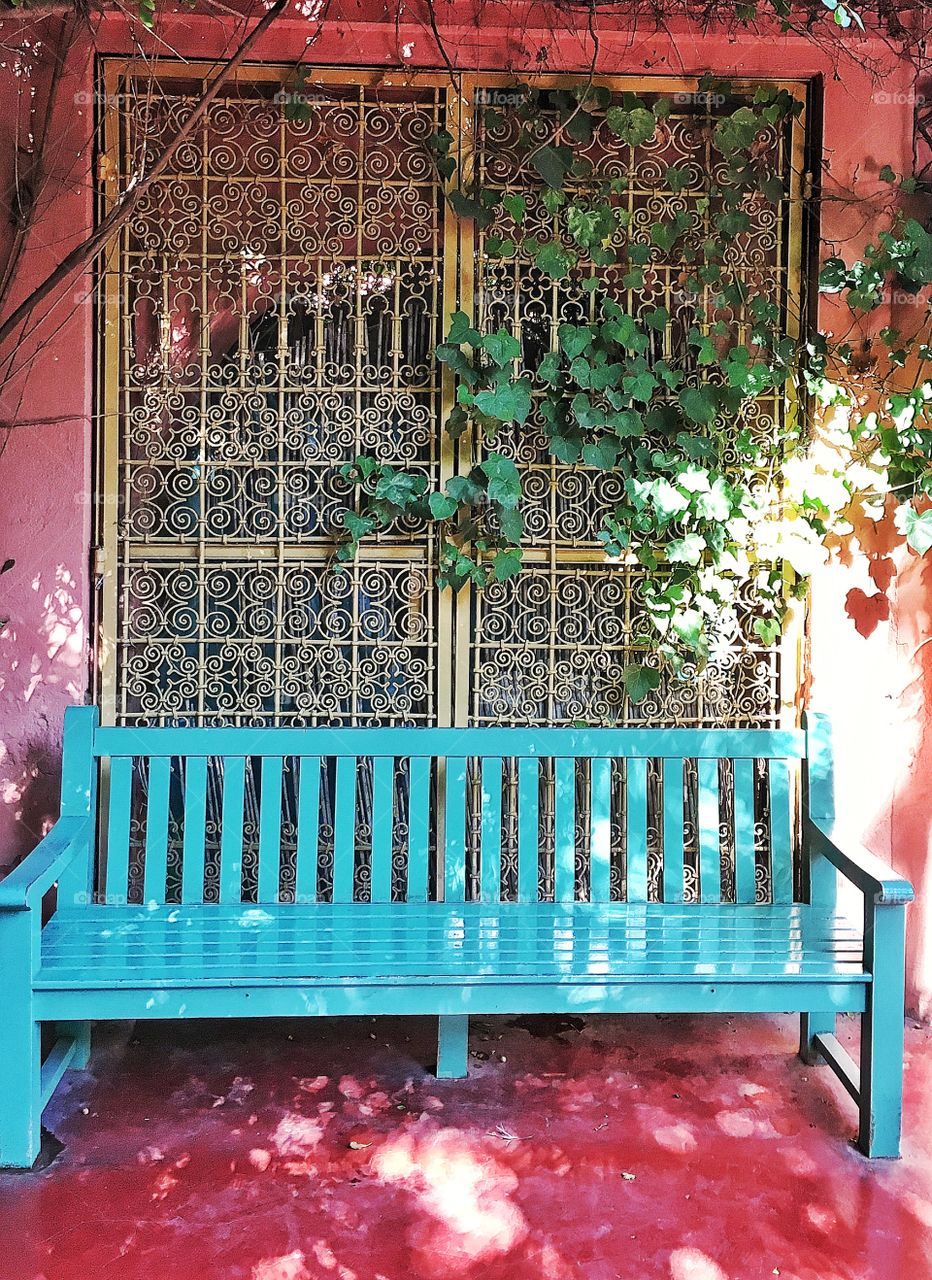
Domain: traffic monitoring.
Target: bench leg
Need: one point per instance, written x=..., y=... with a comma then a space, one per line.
x=80, y=1032
x=20, y=1048
x=810, y=1026
x=452, y=1042
x=881, y=1100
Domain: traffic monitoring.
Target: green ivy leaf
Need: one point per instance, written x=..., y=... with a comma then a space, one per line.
x=553, y=164
x=465, y=207
x=511, y=523
x=574, y=339
x=699, y=404
x=506, y=563
x=495, y=247
x=640, y=386
x=772, y=189
x=549, y=368
x=623, y=329
x=916, y=527
x=458, y=361
x=677, y=179
x=501, y=347
x=688, y=625
x=357, y=526
x=686, y=550
x=516, y=206
x=503, y=480
x=463, y=490
x=508, y=401
x=461, y=330
x=737, y=132
x=639, y=681
x=554, y=260
x=768, y=629
x=398, y=488
x=441, y=506
x=603, y=453
x=715, y=504
x=552, y=199
x=635, y=126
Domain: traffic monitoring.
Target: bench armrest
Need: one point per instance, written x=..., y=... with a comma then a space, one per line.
x=34, y=876
x=864, y=869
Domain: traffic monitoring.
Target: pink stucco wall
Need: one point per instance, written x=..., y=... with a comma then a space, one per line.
x=873, y=677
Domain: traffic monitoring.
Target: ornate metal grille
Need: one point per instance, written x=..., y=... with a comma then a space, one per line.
x=273, y=309
x=549, y=646
x=268, y=314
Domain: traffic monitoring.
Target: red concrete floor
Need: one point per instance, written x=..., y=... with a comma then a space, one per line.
x=678, y=1148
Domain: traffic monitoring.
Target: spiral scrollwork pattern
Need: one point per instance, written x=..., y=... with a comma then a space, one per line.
x=279, y=298
x=550, y=646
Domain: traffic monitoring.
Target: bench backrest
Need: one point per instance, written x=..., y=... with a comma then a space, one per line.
x=382, y=814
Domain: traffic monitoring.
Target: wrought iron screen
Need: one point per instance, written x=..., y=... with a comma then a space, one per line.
x=269, y=313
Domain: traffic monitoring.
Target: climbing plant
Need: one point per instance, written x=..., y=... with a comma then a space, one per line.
x=699, y=498
x=710, y=507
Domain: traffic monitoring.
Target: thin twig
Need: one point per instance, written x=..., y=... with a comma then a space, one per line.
x=85, y=253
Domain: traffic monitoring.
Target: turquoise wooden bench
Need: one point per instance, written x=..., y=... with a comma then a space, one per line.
x=449, y=836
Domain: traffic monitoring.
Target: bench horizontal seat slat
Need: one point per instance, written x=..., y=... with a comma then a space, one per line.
x=474, y=939
x=759, y=744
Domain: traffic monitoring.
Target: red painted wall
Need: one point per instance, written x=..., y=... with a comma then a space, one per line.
x=875, y=678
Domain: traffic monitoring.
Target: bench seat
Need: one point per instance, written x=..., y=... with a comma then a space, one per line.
x=181, y=945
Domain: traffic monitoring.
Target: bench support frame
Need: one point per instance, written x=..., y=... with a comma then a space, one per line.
x=876, y=1084
x=452, y=1045
x=20, y=1045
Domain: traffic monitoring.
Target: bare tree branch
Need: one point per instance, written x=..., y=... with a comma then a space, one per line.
x=85, y=252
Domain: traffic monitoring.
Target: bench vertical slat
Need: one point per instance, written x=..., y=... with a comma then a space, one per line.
x=231, y=828
x=270, y=828
x=383, y=828
x=491, y=838
x=418, y=827
x=308, y=835
x=710, y=841
x=745, y=886
x=528, y=829
x=600, y=830
x=195, y=829
x=157, y=806
x=673, y=869
x=454, y=855
x=636, y=830
x=564, y=830
x=119, y=817
x=781, y=840
x=344, y=829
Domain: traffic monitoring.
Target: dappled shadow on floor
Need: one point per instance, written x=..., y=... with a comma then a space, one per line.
x=679, y=1148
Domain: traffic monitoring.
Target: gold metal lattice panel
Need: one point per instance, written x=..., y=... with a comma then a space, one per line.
x=549, y=646
x=269, y=313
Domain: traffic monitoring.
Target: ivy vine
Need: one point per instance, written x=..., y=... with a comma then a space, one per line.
x=715, y=511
